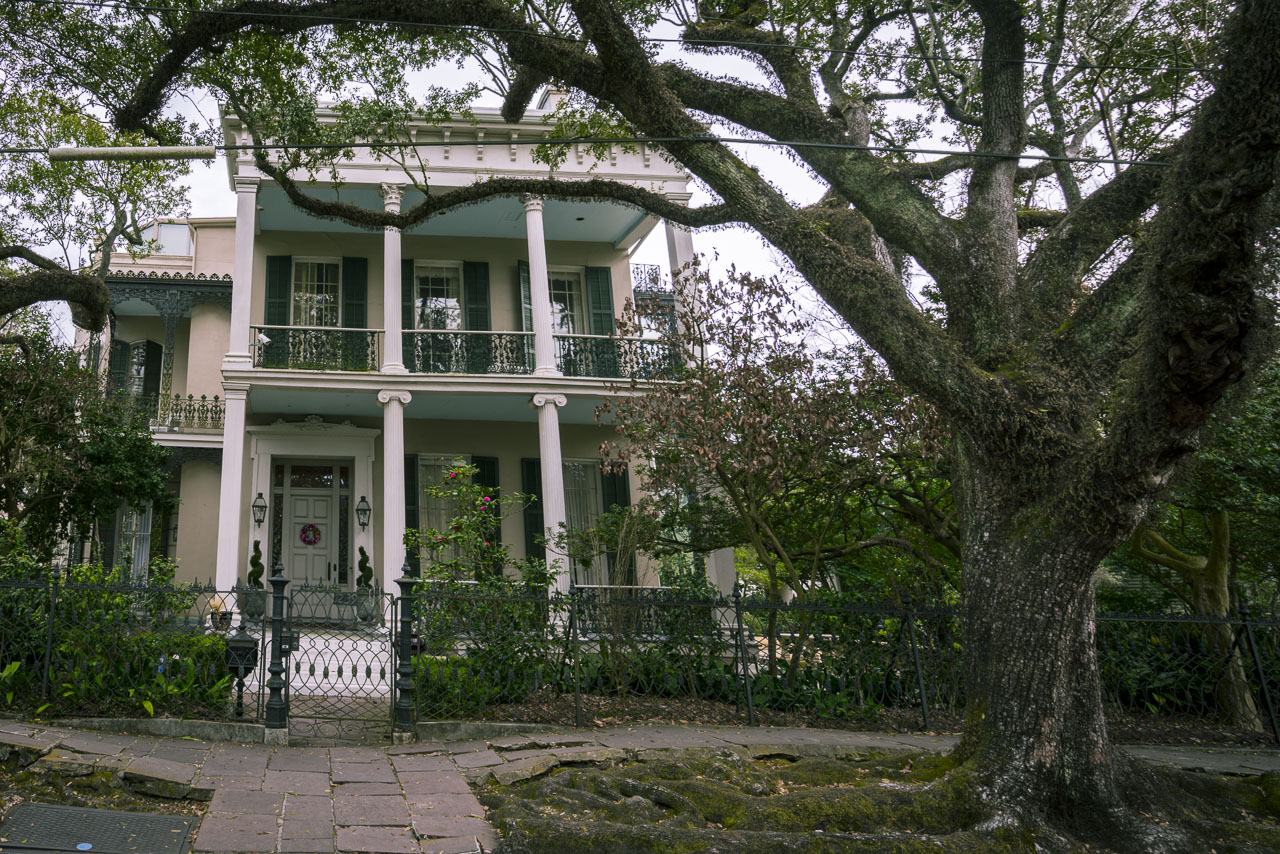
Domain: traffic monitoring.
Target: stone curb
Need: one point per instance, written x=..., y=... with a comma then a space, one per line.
x=451, y=731
x=245, y=733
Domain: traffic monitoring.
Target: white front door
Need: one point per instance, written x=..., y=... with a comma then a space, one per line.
x=311, y=524
x=311, y=521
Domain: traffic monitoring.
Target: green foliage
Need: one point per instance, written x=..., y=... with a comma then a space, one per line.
x=70, y=452
x=256, y=569
x=471, y=547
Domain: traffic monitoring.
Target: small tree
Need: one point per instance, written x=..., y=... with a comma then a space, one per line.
x=69, y=452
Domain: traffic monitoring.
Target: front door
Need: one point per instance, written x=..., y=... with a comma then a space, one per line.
x=311, y=521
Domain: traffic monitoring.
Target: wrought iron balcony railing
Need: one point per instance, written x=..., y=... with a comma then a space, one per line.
x=615, y=358
x=316, y=348
x=190, y=412
x=457, y=351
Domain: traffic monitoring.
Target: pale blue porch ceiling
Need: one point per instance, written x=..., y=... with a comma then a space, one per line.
x=443, y=406
x=601, y=222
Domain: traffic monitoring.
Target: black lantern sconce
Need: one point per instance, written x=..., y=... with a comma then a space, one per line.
x=259, y=510
x=362, y=512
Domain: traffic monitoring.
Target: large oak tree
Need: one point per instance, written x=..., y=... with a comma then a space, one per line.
x=1092, y=315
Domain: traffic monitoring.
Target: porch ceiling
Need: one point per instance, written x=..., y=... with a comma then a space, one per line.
x=455, y=406
x=593, y=222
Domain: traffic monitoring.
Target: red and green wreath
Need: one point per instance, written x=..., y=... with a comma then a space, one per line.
x=310, y=534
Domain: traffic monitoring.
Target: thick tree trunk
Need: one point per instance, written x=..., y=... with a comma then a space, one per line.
x=1035, y=736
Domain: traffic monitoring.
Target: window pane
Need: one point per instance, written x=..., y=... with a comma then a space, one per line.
x=315, y=293
x=311, y=477
x=566, y=303
x=439, y=297
x=137, y=367
x=582, y=505
x=435, y=512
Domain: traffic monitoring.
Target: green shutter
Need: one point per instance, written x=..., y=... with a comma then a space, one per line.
x=411, y=519
x=118, y=366
x=531, y=484
x=355, y=293
x=152, y=367
x=475, y=294
x=526, y=296
x=487, y=476
x=600, y=300
x=107, y=539
x=279, y=273
x=407, y=318
x=616, y=492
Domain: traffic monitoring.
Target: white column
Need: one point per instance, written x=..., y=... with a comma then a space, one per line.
x=544, y=345
x=680, y=253
x=393, y=522
x=392, y=352
x=242, y=272
x=553, y=513
x=231, y=502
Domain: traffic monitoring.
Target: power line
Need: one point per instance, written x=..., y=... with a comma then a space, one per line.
x=334, y=19
x=208, y=152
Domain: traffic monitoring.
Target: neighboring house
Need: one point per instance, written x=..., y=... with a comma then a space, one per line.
x=315, y=369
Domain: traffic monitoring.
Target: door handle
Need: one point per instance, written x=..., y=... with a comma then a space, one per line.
x=328, y=571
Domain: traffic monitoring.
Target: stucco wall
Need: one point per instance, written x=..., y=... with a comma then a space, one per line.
x=209, y=336
x=215, y=248
x=198, y=521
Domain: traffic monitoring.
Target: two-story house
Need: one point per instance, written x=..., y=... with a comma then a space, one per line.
x=312, y=377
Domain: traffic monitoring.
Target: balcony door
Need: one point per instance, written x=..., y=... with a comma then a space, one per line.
x=311, y=521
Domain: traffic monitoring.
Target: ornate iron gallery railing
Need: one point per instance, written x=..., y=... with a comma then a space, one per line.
x=615, y=358
x=316, y=348
x=457, y=351
x=190, y=412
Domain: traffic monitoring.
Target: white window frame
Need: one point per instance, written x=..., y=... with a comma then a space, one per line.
x=462, y=292
x=191, y=239
x=293, y=281
x=138, y=381
x=581, y=319
x=133, y=544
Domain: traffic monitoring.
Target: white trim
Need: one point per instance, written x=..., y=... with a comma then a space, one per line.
x=462, y=292
x=313, y=440
x=294, y=260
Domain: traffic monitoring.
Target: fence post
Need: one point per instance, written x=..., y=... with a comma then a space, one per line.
x=575, y=652
x=48, y=635
x=406, y=705
x=277, y=709
x=1257, y=663
x=743, y=668
x=915, y=656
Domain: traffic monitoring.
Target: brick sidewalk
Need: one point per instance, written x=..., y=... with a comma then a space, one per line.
x=417, y=798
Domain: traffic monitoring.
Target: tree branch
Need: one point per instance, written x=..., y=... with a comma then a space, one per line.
x=85, y=293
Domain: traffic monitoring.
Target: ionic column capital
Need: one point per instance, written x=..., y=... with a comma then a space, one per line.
x=387, y=395
x=543, y=398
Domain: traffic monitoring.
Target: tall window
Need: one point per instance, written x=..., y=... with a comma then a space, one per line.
x=438, y=298
x=174, y=238
x=133, y=549
x=583, y=505
x=433, y=511
x=568, y=307
x=317, y=292
x=137, y=377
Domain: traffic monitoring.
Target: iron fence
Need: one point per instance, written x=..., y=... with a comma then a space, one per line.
x=73, y=645
x=83, y=648
x=316, y=348
x=457, y=351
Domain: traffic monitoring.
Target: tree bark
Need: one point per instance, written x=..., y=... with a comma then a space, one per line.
x=1035, y=734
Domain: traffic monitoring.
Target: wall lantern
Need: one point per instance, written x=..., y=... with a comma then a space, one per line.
x=362, y=512
x=259, y=510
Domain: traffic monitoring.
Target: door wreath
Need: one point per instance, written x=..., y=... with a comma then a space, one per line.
x=310, y=534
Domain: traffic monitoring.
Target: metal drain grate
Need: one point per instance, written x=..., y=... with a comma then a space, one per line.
x=50, y=828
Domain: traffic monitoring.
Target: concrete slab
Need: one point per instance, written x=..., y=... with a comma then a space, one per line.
x=363, y=772
x=415, y=762
x=296, y=782
x=225, y=832
x=461, y=844
x=523, y=769
x=367, y=788
x=478, y=759
x=370, y=810
x=433, y=783
x=442, y=827
x=307, y=837
x=240, y=802
x=376, y=840
x=445, y=806
x=299, y=759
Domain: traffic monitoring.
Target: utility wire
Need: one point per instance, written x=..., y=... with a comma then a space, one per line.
x=334, y=19
x=208, y=152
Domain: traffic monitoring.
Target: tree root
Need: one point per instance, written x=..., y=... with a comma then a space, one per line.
x=883, y=804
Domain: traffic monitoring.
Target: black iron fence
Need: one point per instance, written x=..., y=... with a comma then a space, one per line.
x=601, y=654
x=72, y=645
x=316, y=348
x=456, y=351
